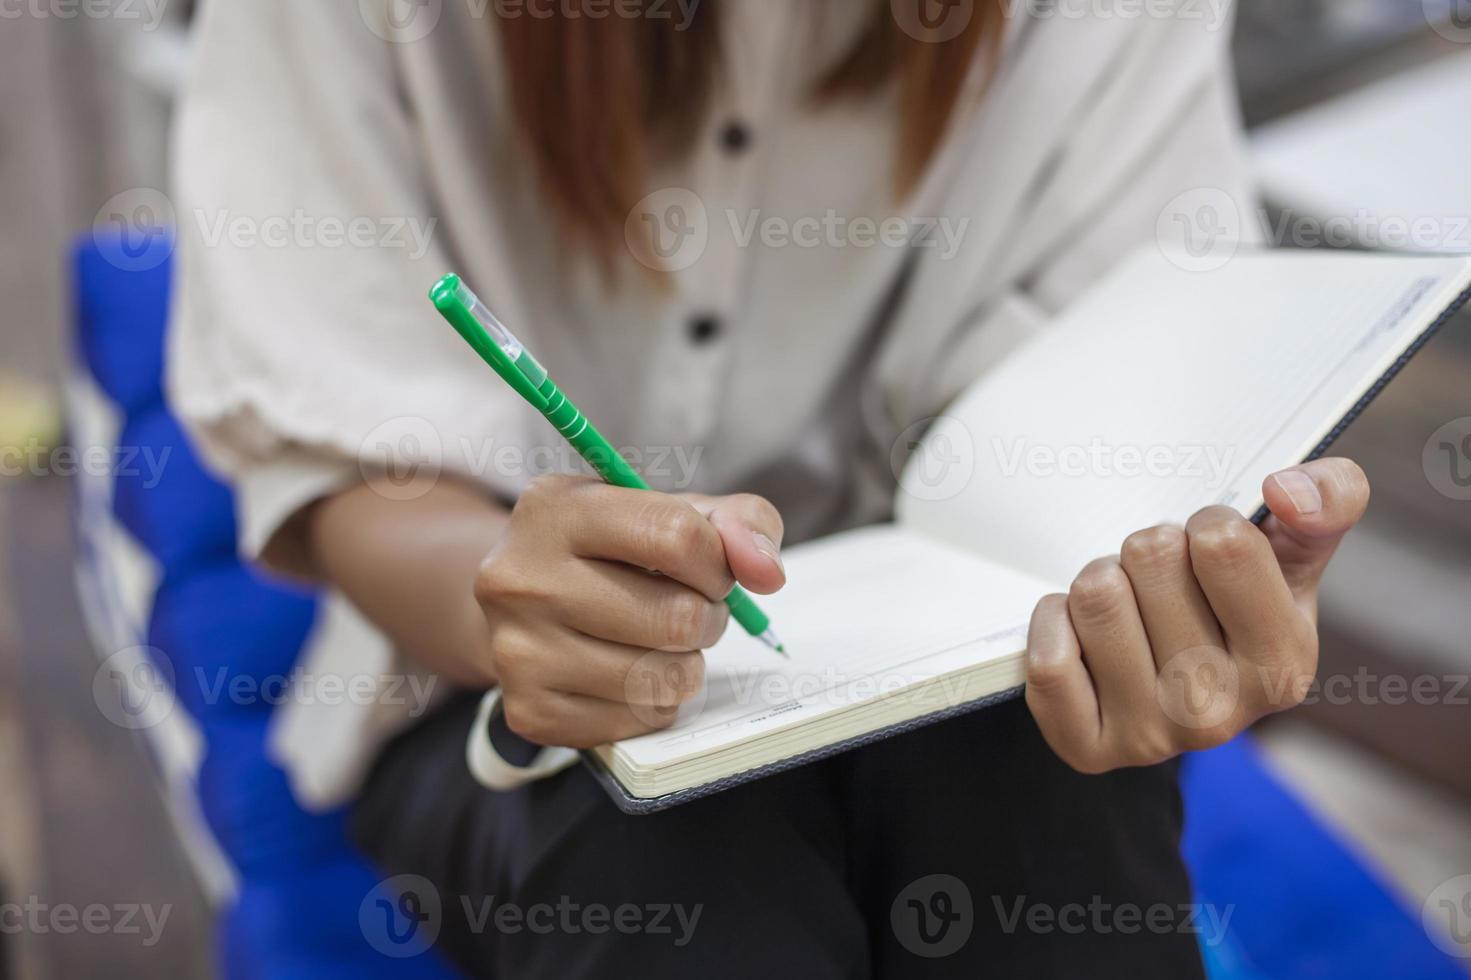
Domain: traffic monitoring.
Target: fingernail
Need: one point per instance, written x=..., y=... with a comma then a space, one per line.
x=1301, y=490
x=768, y=548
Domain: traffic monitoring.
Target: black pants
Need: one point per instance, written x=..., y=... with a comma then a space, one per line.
x=965, y=849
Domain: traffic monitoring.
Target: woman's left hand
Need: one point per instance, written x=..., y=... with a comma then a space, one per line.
x=1189, y=635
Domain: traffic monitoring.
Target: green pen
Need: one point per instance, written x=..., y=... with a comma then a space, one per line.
x=499, y=348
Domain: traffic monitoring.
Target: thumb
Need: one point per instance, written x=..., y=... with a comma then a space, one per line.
x=1313, y=506
x=751, y=530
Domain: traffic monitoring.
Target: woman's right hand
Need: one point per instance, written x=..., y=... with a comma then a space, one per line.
x=589, y=645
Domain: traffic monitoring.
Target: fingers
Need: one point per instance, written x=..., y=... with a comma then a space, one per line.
x=1238, y=573
x=562, y=688
x=606, y=600
x=751, y=530
x=579, y=722
x=1192, y=633
x=1176, y=615
x=653, y=531
x=576, y=664
x=1179, y=643
x=1115, y=645
x=590, y=647
x=624, y=605
x=1313, y=506
x=1060, y=693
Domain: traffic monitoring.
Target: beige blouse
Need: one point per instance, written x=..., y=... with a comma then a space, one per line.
x=332, y=162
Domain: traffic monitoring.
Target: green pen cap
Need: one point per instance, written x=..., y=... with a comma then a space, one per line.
x=483, y=331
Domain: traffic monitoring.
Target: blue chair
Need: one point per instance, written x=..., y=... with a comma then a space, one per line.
x=160, y=572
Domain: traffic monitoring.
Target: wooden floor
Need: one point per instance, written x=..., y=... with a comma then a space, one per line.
x=81, y=822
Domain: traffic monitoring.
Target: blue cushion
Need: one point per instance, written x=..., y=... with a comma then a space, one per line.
x=122, y=296
x=1302, y=905
x=248, y=803
x=228, y=636
x=220, y=624
x=165, y=498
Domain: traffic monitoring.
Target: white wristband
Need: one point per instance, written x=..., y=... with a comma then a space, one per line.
x=491, y=770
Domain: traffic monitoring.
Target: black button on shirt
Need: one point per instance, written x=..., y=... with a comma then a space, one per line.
x=735, y=137
x=704, y=329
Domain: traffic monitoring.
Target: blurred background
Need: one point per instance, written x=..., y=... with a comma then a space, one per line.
x=1357, y=110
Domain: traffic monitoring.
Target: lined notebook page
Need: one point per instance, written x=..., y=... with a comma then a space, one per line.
x=864, y=613
x=1164, y=391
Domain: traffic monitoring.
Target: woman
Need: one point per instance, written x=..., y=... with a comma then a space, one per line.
x=617, y=186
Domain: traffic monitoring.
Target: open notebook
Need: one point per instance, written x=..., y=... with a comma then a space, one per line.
x=1160, y=392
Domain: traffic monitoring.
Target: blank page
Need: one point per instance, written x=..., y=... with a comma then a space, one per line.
x=1163, y=391
x=864, y=614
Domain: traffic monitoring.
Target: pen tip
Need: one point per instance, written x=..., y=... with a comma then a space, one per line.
x=769, y=638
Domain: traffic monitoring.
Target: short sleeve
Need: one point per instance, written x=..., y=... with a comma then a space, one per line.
x=301, y=341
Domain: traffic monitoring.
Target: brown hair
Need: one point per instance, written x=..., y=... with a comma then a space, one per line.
x=597, y=100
